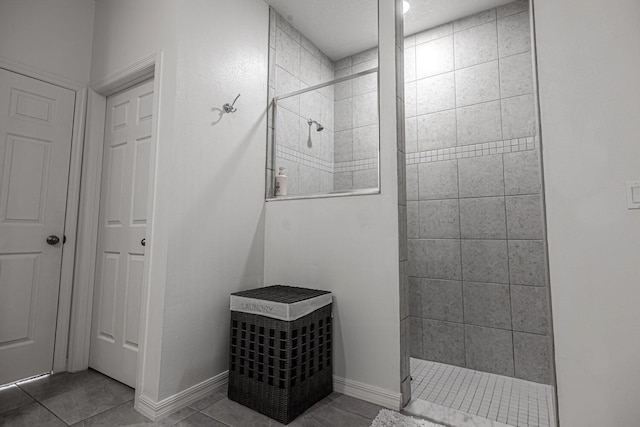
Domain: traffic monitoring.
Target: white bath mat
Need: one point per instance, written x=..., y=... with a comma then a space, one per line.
x=387, y=418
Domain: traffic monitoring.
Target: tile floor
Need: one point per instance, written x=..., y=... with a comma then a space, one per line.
x=507, y=400
x=89, y=398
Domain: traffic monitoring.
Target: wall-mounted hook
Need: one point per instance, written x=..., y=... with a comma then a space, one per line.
x=228, y=108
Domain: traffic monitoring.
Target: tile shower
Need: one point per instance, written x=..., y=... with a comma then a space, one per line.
x=477, y=270
x=479, y=297
x=344, y=155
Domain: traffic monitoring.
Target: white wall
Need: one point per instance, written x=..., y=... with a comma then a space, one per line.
x=588, y=59
x=207, y=236
x=52, y=36
x=349, y=246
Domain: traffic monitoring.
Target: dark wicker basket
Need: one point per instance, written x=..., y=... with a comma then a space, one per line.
x=276, y=367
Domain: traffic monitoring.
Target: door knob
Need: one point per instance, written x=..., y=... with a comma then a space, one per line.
x=143, y=242
x=53, y=240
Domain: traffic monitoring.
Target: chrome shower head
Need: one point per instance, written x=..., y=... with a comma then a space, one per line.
x=319, y=127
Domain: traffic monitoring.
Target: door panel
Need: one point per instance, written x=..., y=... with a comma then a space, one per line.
x=36, y=121
x=123, y=222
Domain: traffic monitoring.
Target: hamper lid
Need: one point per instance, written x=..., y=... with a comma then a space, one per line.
x=280, y=302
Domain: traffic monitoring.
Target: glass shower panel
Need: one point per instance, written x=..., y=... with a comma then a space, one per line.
x=326, y=137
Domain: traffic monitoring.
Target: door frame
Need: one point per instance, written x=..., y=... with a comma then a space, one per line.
x=88, y=215
x=59, y=362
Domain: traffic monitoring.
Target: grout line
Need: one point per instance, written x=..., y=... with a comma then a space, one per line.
x=54, y=414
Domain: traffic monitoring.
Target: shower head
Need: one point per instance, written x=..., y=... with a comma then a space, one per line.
x=319, y=127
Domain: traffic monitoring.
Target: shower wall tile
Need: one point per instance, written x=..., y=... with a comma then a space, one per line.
x=272, y=67
x=343, y=146
x=443, y=342
x=518, y=117
x=285, y=83
x=514, y=34
x=437, y=130
x=522, y=173
x=524, y=217
x=412, y=182
x=342, y=90
x=532, y=355
x=288, y=28
x=415, y=296
x=367, y=83
x=530, y=309
x=479, y=123
x=512, y=8
x=410, y=99
x=442, y=300
x=342, y=181
x=516, y=75
x=527, y=263
x=273, y=20
x=436, y=93
x=476, y=45
x=415, y=326
x=310, y=47
x=365, y=142
x=438, y=180
x=434, y=33
x=481, y=176
x=343, y=114
x=442, y=259
x=439, y=219
x=434, y=57
x=487, y=304
x=411, y=135
x=475, y=20
x=287, y=52
x=365, y=109
x=476, y=84
x=342, y=63
x=409, y=41
x=413, y=220
x=409, y=64
x=310, y=68
x=365, y=179
x=434, y=259
x=367, y=55
x=485, y=261
x=483, y=218
x=402, y=233
x=287, y=128
x=326, y=182
x=309, y=179
x=489, y=350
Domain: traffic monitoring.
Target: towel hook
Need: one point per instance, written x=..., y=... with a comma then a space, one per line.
x=228, y=108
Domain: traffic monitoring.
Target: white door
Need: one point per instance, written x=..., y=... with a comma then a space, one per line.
x=122, y=228
x=36, y=121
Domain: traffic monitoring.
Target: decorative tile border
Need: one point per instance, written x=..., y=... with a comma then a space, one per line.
x=356, y=165
x=473, y=150
x=286, y=153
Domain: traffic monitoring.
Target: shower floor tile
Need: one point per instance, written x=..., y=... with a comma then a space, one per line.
x=508, y=400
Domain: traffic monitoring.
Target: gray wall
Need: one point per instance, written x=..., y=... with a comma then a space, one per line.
x=296, y=63
x=477, y=272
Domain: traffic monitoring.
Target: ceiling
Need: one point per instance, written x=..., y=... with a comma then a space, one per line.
x=343, y=27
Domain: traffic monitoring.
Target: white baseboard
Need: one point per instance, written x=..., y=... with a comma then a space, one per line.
x=377, y=395
x=157, y=410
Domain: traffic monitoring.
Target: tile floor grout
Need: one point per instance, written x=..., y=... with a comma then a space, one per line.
x=509, y=400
